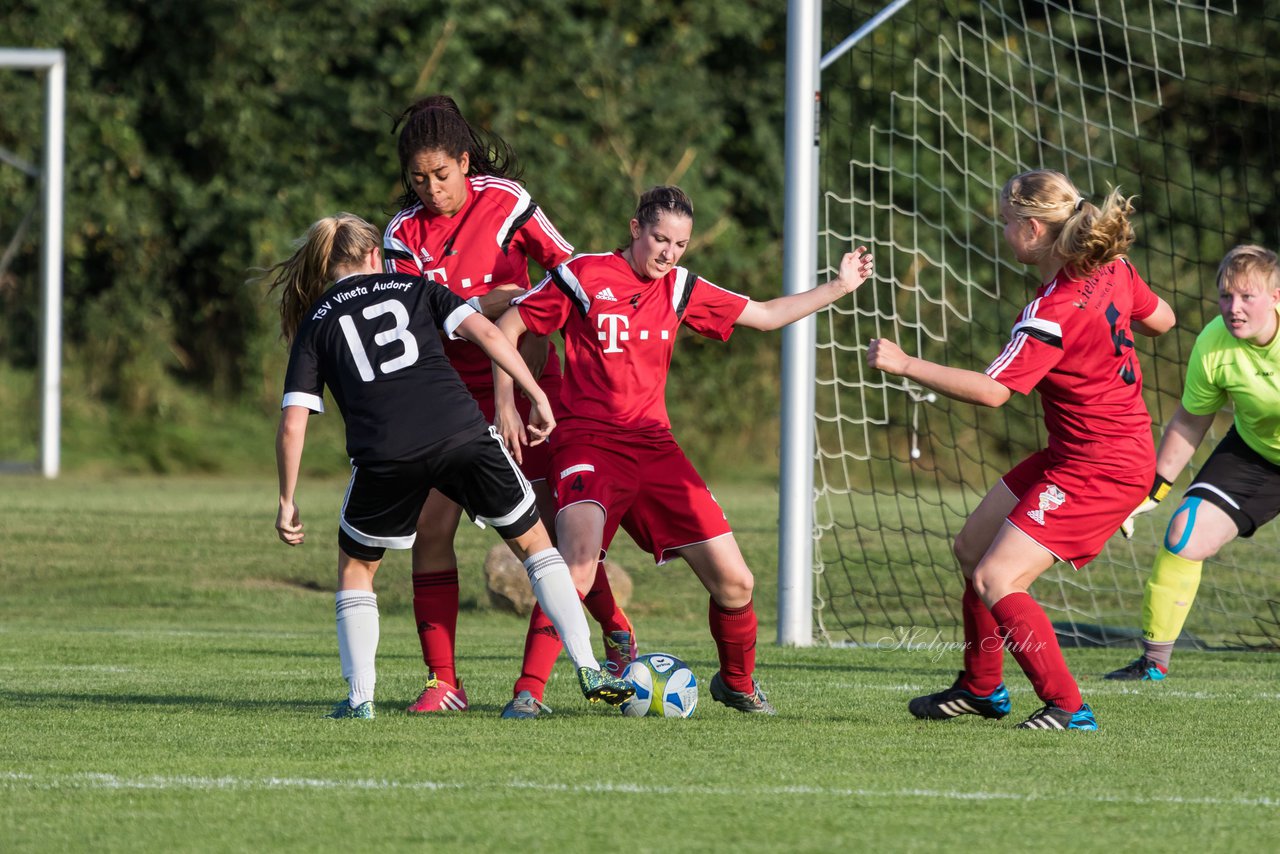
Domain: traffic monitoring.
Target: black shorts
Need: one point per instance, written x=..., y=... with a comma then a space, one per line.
x=1241, y=482
x=384, y=500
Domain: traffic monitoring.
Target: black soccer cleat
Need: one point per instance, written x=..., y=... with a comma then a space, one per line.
x=1140, y=669
x=1051, y=717
x=956, y=701
x=754, y=703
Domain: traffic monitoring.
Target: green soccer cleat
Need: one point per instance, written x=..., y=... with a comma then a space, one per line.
x=753, y=703
x=523, y=706
x=598, y=685
x=343, y=709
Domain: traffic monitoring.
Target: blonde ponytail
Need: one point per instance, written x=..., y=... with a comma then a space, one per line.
x=1083, y=236
x=332, y=242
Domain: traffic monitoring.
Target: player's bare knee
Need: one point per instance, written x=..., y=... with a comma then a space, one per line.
x=733, y=590
x=357, y=563
x=529, y=542
x=436, y=531
x=1182, y=538
x=433, y=556
x=583, y=574
x=990, y=586
x=523, y=532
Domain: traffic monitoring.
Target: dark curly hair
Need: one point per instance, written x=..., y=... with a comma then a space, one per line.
x=436, y=124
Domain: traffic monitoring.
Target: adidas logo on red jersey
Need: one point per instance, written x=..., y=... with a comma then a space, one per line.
x=606, y=294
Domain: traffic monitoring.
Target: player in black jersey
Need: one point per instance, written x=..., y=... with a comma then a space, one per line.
x=374, y=339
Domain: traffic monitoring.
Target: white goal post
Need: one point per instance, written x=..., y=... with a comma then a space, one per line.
x=54, y=64
x=805, y=62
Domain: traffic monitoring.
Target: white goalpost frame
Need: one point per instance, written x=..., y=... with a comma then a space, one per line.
x=800, y=266
x=54, y=63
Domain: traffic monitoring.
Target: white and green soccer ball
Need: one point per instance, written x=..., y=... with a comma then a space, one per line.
x=665, y=687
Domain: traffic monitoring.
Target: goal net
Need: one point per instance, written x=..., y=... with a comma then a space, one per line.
x=923, y=122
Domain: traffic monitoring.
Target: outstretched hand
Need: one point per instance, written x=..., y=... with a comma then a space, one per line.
x=884, y=355
x=855, y=268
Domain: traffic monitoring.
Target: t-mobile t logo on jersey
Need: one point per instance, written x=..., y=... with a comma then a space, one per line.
x=614, y=334
x=437, y=275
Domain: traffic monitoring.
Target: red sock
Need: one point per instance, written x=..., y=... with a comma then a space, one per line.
x=983, y=645
x=1029, y=637
x=602, y=606
x=734, y=631
x=541, y=649
x=435, y=609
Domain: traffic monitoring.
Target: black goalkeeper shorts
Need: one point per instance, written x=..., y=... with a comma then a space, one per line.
x=1241, y=482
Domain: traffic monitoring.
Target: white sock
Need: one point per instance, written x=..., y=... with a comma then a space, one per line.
x=553, y=587
x=357, y=616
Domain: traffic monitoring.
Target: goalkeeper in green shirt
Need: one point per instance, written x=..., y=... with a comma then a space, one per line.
x=1236, y=359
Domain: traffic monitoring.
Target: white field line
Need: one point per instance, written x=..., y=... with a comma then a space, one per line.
x=18, y=781
x=67, y=668
x=148, y=672
x=164, y=633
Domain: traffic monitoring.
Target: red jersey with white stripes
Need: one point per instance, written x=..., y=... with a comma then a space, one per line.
x=619, y=333
x=487, y=243
x=1074, y=345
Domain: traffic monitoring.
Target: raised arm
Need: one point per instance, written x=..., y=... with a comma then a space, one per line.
x=855, y=268
x=290, y=437
x=1158, y=322
x=956, y=383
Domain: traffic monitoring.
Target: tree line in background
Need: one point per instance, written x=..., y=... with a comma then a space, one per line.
x=202, y=138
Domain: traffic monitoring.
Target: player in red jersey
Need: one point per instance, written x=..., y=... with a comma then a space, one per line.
x=1072, y=344
x=615, y=462
x=466, y=223
x=374, y=340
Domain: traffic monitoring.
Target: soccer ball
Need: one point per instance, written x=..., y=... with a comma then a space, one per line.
x=665, y=687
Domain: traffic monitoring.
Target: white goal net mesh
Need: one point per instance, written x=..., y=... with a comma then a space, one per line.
x=923, y=122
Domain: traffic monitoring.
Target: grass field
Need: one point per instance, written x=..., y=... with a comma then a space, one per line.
x=166, y=664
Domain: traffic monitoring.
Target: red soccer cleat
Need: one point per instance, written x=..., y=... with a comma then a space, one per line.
x=439, y=696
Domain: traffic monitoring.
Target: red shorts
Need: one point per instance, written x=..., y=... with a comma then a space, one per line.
x=1072, y=507
x=649, y=488
x=536, y=459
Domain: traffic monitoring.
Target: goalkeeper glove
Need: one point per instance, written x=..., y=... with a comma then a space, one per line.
x=1159, y=490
